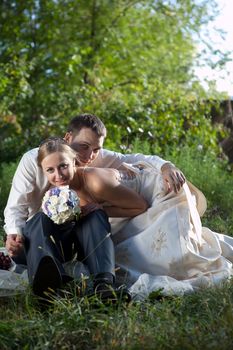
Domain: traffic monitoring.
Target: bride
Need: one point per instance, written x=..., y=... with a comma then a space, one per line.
x=158, y=236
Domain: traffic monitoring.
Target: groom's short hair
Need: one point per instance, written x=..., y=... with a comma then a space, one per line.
x=90, y=121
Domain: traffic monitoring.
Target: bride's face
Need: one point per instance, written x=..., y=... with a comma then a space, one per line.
x=59, y=168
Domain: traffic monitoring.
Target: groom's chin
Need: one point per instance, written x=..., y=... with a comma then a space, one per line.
x=82, y=163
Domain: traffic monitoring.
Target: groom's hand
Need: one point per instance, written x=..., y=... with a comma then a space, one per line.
x=173, y=177
x=14, y=244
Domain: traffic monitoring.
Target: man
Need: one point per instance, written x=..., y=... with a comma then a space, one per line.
x=85, y=134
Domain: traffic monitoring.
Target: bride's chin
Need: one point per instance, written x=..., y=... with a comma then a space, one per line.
x=64, y=183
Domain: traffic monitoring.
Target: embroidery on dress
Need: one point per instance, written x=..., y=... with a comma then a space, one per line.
x=159, y=242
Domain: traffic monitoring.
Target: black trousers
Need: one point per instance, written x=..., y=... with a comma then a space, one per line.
x=89, y=237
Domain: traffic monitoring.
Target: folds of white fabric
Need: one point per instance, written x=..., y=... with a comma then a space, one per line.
x=167, y=247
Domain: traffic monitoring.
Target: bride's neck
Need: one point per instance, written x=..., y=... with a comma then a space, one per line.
x=77, y=182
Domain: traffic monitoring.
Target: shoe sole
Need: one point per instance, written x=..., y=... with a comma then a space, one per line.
x=47, y=278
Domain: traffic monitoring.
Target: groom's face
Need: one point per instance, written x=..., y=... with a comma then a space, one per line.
x=86, y=143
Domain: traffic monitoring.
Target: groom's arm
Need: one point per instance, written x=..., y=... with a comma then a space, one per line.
x=111, y=159
x=23, y=183
x=23, y=199
x=172, y=176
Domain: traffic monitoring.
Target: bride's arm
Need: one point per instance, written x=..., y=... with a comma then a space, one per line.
x=122, y=201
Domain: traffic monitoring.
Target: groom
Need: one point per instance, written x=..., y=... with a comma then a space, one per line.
x=86, y=134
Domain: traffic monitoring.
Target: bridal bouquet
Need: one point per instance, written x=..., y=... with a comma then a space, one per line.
x=61, y=204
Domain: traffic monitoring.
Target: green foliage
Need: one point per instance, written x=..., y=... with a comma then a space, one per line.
x=128, y=62
x=168, y=121
x=7, y=171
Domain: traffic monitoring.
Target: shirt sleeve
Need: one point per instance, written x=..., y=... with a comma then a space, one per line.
x=110, y=159
x=16, y=212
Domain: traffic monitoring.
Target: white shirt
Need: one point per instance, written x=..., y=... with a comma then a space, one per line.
x=30, y=184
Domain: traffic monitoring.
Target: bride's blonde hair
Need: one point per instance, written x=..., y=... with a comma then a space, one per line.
x=52, y=145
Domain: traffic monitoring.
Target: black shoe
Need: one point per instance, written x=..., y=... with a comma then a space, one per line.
x=67, y=279
x=47, y=279
x=108, y=294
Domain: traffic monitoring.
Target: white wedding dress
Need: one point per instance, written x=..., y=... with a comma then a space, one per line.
x=166, y=247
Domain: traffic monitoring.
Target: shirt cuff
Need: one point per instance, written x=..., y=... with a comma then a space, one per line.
x=162, y=162
x=13, y=230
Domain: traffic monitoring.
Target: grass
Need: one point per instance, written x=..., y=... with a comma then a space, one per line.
x=203, y=320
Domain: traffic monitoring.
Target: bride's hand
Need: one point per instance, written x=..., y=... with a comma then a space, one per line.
x=90, y=207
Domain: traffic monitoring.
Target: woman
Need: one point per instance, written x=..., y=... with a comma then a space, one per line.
x=164, y=246
x=49, y=245
x=94, y=186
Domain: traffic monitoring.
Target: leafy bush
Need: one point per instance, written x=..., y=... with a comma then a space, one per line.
x=167, y=122
x=129, y=63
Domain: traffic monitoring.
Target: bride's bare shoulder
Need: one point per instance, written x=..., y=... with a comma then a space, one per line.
x=96, y=177
x=93, y=171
